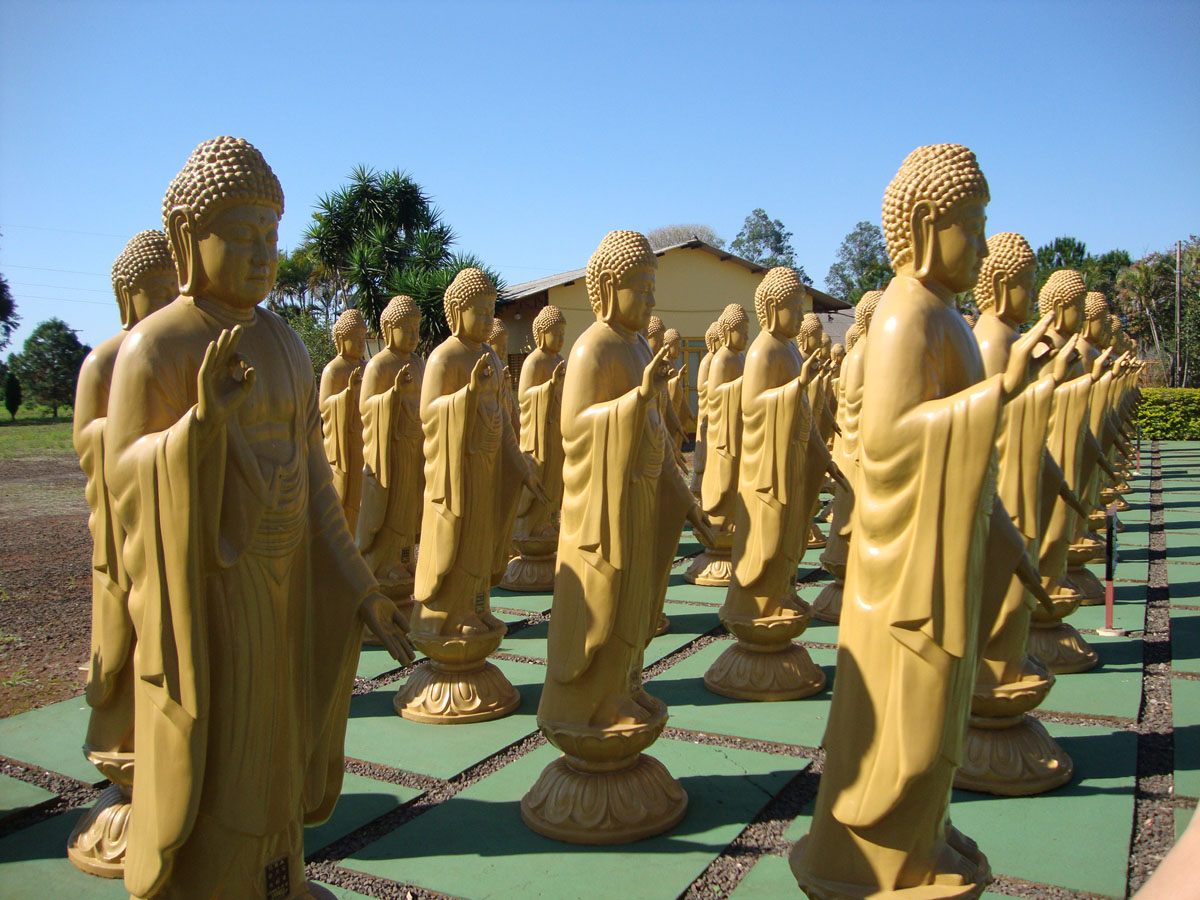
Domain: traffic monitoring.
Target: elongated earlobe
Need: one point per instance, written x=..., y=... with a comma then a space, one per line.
x=182, y=233
x=923, y=216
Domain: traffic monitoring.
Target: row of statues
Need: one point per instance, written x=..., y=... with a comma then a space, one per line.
x=248, y=526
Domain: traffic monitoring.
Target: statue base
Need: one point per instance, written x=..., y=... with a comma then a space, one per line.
x=764, y=664
x=1060, y=647
x=710, y=570
x=816, y=538
x=1012, y=756
x=828, y=604
x=604, y=790
x=939, y=885
x=663, y=626
x=1091, y=588
x=318, y=892
x=530, y=574
x=97, y=842
x=457, y=685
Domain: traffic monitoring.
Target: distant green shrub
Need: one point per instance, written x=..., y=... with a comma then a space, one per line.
x=1170, y=414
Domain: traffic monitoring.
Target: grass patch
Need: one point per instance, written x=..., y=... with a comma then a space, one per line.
x=28, y=441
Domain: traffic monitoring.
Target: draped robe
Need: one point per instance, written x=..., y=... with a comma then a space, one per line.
x=342, y=425
x=393, y=477
x=541, y=441
x=909, y=624
x=719, y=489
x=245, y=588
x=845, y=453
x=624, y=504
x=700, y=453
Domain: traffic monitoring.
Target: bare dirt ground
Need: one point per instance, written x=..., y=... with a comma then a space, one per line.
x=45, y=582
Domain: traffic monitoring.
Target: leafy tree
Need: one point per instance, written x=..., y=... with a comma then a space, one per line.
x=862, y=264
x=316, y=333
x=369, y=230
x=1099, y=272
x=49, y=364
x=764, y=240
x=12, y=393
x=9, y=320
x=427, y=285
x=1145, y=297
x=669, y=235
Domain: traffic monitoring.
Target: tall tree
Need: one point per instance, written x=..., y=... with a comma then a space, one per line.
x=373, y=227
x=862, y=264
x=1145, y=297
x=48, y=365
x=9, y=320
x=669, y=235
x=427, y=285
x=12, y=393
x=765, y=241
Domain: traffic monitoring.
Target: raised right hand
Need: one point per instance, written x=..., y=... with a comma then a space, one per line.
x=404, y=376
x=1016, y=373
x=224, y=382
x=481, y=372
x=1101, y=361
x=1063, y=358
x=655, y=375
x=806, y=371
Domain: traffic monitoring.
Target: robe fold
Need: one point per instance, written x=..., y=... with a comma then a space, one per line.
x=541, y=441
x=908, y=641
x=1066, y=440
x=245, y=589
x=342, y=426
x=719, y=489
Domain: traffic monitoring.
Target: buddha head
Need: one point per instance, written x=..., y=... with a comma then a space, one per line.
x=221, y=214
x=550, y=329
x=673, y=341
x=1120, y=340
x=143, y=277
x=1063, y=294
x=837, y=353
x=712, y=336
x=734, y=327
x=864, y=311
x=1007, y=279
x=853, y=333
x=970, y=319
x=620, y=281
x=826, y=346
x=497, y=339
x=350, y=335
x=780, y=302
x=400, y=324
x=934, y=213
x=655, y=333
x=809, y=338
x=470, y=305
x=1097, y=327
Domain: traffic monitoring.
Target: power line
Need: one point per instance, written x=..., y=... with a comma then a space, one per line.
x=64, y=271
x=64, y=287
x=63, y=299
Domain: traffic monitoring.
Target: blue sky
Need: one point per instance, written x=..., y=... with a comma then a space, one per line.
x=538, y=127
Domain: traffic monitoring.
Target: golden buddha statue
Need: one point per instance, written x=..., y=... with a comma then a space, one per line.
x=780, y=451
x=540, y=397
x=712, y=342
x=473, y=470
x=393, y=478
x=1057, y=644
x=655, y=333
x=925, y=521
x=341, y=420
x=620, y=525
x=247, y=593
x=809, y=342
x=677, y=387
x=1006, y=751
x=719, y=490
x=143, y=280
x=497, y=339
x=828, y=603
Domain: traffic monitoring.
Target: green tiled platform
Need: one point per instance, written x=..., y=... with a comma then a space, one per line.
x=474, y=846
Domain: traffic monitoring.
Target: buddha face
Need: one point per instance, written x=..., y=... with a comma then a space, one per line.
x=552, y=339
x=959, y=247
x=1020, y=295
x=238, y=256
x=152, y=291
x=736, y=338
x=788, y=316
x=632, y=301
x=1096, y=331
x=674, y=349
x=1071, y=316
x=475, y=318
x=353, y=344
x=500, y=345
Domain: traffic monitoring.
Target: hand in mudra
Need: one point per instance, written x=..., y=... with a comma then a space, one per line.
x=1016, y=374
x=655, y=375
x=224, y=382
x=481, y=373
x=404, y=376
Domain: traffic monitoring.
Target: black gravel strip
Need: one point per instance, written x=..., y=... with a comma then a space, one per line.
x=71, y=792
x=694, y=603
x=528, y=622
x=816, y=645
x=1065, y=718
x=1019, y=887
x=762, y=837
x=1153, y=815
x=366, y=685
x=1185, y=606
x=370, y=885
x=728, y=740
x=1186, y=676
x=402, y=777
x=695, y=645
x=516, y=657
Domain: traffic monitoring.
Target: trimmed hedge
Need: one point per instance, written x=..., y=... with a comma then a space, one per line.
x=1170, y=414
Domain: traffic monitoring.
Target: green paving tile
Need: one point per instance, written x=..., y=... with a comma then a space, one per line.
x=771, y=879
x=374, y=661
x=1185, y=701
x=1037, y=838
x=1185, y=640
x=343, y=893
x=1114, y=688
x=1129, y=614
x=16, y=795
x=51, y=737
x=376, y=734
x=34, y=866
x=530, y=602
x=476, y=846
x=1183, y=818
x=696, y=708
x=363, y=800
